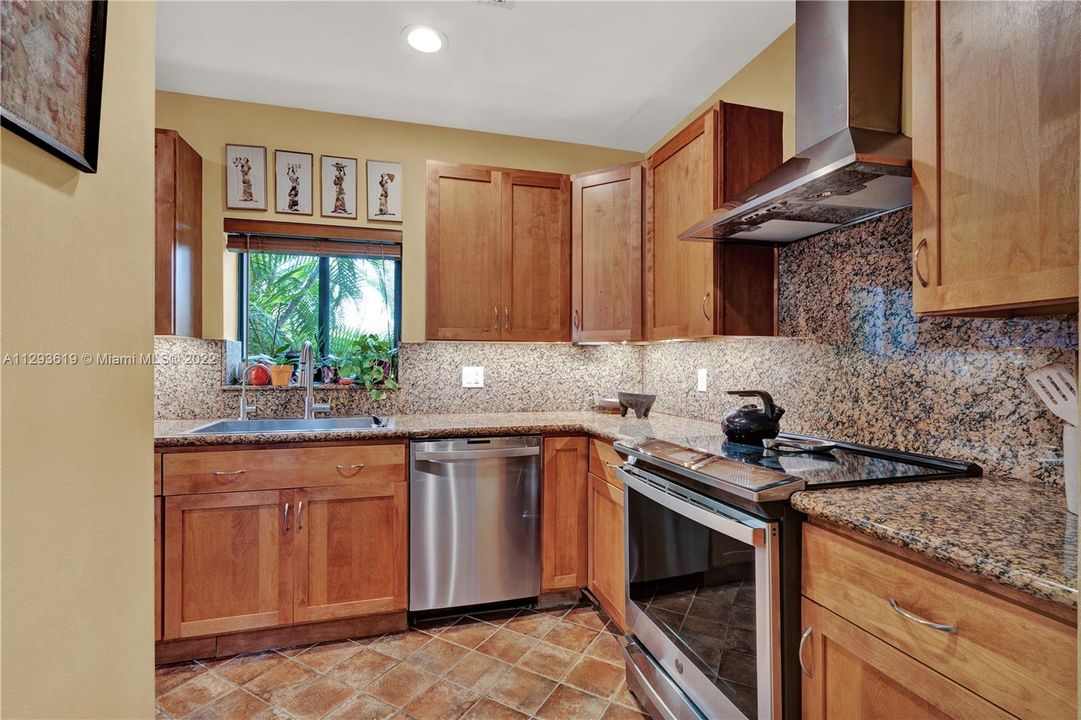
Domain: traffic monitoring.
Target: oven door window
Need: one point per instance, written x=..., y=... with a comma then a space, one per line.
x=697, y=586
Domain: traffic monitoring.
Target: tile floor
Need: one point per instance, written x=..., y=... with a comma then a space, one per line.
x=561, y=664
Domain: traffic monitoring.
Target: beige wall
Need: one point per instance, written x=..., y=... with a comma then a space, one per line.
x=208, y=124
x=77, y=525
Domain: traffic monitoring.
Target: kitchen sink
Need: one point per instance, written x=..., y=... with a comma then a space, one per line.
x=287, y=425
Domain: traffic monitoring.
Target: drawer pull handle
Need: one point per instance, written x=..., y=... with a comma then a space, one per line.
x=613, y=466
x=285, y=517
x=802, y=642
x=917, y=619
x=358, y=467
x=228, y=472
x=300, y=510
x=916, y=262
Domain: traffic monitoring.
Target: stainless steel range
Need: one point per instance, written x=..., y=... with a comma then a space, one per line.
x=713, y=563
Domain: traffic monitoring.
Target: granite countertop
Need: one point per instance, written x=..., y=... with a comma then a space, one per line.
x=1016, y=533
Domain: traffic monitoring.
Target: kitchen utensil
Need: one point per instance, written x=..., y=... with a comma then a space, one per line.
x=639, y=402
x=1069, y=463
x=750, y=424
x=606, y=404
x=810, y=445
x=1056, y=386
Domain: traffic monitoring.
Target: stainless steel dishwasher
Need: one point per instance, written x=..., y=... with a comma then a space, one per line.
x=474, y=521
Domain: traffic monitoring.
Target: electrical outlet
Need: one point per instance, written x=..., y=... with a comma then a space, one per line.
x=703, y=379
x=472, y=377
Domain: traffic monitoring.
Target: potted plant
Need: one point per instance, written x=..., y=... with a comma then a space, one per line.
x=281, y=372
x=371, y=361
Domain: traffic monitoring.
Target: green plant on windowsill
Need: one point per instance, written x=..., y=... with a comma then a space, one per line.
x=281, y=372
x=371, y=359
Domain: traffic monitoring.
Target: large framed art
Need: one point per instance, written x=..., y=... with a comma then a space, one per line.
x=50, y=89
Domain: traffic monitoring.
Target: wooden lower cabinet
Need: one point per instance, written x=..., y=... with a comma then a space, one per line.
x=157, y=568
x=606, y=564
x=351, y=553
x=849, y=673
x=563, y=514
x=228, y=562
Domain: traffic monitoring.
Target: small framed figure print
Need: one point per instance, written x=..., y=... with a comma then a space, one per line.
x=384, y=190
x=245, y=177
x=338, y=186
x=293, y=182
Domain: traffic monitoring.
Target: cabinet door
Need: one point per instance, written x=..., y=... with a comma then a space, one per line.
x=563, y=512
x=228, y=562
x=157, y=568
x=996, y=99
x=849, y=673
x=606, y=241
x=352, y=554
x=536, y=256
x=464, y=254
x=178, y=202
x=606, y=548
x=681, y=190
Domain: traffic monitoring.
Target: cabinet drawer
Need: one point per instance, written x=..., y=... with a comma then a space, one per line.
x=1018, y=659
x=601, y=456
x=235, y=470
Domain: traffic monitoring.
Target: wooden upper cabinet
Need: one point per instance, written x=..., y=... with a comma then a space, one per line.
x=996, y=100
x=351, y=550
x=178, y=236
x=695, y=289
x=498, y=243
x=606, y=242
x=228, y=562
x=536, y=256
x=564, y=513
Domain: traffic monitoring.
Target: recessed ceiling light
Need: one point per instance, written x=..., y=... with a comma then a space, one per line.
x=424, y=38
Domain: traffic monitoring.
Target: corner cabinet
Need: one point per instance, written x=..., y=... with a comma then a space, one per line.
x=696, y=289
x=498, y=251
x=996, y=101
x=178, y=236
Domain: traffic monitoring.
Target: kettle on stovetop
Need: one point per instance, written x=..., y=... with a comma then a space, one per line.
x=749, y=424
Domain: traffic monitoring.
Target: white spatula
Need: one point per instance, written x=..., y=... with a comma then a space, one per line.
x=1057, y=387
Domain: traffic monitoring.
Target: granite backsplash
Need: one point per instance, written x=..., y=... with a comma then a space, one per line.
x=854, y=363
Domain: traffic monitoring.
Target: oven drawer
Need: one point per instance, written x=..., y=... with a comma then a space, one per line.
x=1016, y=658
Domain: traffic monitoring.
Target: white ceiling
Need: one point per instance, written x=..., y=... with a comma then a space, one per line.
x=615, y=74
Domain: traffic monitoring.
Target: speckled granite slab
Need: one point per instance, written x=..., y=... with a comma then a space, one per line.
x=1013, y=532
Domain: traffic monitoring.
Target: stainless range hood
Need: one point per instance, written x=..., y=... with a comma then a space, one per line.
x=852, y=162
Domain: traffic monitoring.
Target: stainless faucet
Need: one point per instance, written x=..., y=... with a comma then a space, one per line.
x=307, y=380
x=246, y=408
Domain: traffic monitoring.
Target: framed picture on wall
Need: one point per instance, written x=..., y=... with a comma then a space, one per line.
x=293, y=182
x=245, y=177
x=53, y=64
x=384, y=190
x=338, y=186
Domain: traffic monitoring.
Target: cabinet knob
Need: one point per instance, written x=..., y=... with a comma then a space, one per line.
x=916, y=261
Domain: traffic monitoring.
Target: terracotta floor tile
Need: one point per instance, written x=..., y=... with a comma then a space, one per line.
x=435, y=626
x=532, y=623
x=566, y=702
x=618, y=712
x=401, y=685
x=587, y=617
x=280, y=681
x=237, y=705
x=185, y=699
x=244, y=668
x=363, y=707
x=507, y=645
x=606, y=647
x=570, y=636
x=522, y=690
x=623, y=696
x=316, y=698
x=294, y=650
x=364, y=667
x=442, y=701
x=478, y=672
x=497, y=617
x=325, y=656
x=468, y=632
x=487, y=709
x=596, y=677
x=437, y=656
x=551, y=661
x=167, y=677
x=400, y=645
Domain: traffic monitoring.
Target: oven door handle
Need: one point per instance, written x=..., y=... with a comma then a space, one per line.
x=754, y=535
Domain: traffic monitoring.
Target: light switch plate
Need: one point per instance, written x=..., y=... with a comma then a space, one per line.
x=703, y=379
x=472, y=376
